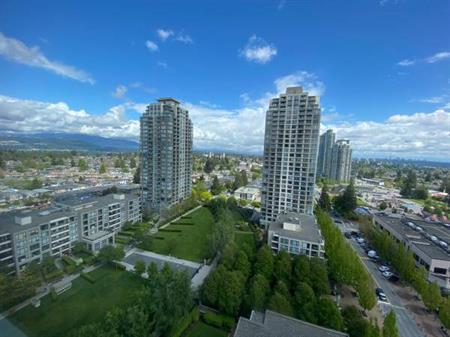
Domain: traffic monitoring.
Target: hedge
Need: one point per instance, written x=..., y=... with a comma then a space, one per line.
x=179, y=327
x=183, y=224
x=53, y=295
x=217, y=320
x=170, y=230
x=159, y=238
x=54, y=275
x=88, y=277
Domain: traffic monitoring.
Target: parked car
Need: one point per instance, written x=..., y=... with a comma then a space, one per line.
x=360, y=240
x=383, y=268
x=371, y=253
x=387, y=274
x=393, y=278
x=381, y=295
x=347, y=235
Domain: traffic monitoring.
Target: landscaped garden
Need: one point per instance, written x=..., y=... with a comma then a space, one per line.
x=84, y=303
x=187, y=238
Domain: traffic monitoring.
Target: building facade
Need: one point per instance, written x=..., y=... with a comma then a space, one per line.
x=30, y=235
x=324, y=159
x=335, y=158
x=290, y=154
x=297, y=234
x=166, y=154
x=341, y=161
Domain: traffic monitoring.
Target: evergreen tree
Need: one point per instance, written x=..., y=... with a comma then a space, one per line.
x=324, y=200
x=390, y=326
x=216, y=187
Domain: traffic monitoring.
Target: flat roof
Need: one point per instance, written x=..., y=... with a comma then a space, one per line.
x=96, y=201
x=309, y=231
x=274, y=324
x=419, y=239
x=168, y=99
x=38, y=217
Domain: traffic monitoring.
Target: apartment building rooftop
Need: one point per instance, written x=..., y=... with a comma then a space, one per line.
x=273, y=324
x=297, y=226
x=432, y=238
x=96, y=201
x=16, y=221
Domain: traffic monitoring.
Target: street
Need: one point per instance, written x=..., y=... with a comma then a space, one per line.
x=406, y=324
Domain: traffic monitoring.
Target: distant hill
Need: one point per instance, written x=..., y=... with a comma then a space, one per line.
x=65, y=141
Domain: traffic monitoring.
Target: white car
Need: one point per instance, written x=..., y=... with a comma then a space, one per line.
x=383, y=268
x=360, y=240
x=387, y=274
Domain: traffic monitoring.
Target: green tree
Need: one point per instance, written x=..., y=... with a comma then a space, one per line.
x=283, y=267
x=305, y=303
x=258, y=291
x=132, y=162
x=328, y=314
x=301, y=269
x=242, y=264
x=444, y=312
x=346, y=203
x=390, y=325
x=409, y=184
x=319, y=277
x=324, y=200
x=82, y=165
x=383, y=205
x=279, y=303
x=209, y=165
x=432, y=296
x=421, y=193
x=216, y=187
x=102, y=169
x=139, y=267
x=137, y=176
x=264, y=262
x=110, y=253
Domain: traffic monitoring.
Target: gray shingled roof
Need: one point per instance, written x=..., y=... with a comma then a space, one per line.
x=278, y=325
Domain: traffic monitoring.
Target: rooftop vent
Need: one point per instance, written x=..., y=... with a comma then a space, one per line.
x=23, y=220
x=119, y=196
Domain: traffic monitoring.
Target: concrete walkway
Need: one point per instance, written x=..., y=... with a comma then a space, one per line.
x=182, y=215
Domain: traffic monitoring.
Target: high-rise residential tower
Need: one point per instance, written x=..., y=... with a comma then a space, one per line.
x=290, y=154
x=341, y=161
x=324, y=159
x=166, y=154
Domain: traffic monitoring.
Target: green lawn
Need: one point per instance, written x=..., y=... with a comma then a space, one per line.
x=200, y=329
x=191, y=243
x=244, y=237
x=84, y=303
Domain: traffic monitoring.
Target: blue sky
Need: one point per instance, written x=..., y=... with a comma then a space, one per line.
x=381, y=67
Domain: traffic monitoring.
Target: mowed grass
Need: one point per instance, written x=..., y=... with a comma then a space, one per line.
x=241, y=238
x=84, y=303
x=200, y=329
x=191, y=243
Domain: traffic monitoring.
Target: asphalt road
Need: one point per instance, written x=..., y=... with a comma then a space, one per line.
x=406, y=324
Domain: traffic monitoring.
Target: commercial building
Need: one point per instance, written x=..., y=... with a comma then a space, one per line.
x=166, y=154
x=341, y=161
x=296, y=234
x=290, y=154
x=429, y=243
x=324, y=158
x=335, y=158
x=274, y=324
x=30, y=235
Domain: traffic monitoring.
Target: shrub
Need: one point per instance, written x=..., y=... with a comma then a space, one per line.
x=159, y=238
x=54, y=275
x=88, y=277
x=217, y=320
x=179, y=327
x=170, y=230
x=53, y=295
x=119, y=266
x=89, y=259
x=184, y=224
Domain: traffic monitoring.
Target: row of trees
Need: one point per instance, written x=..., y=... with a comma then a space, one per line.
x=403, y=261
x=345, y=266
x=159, y=306
x=409, y=187
x=15, y=289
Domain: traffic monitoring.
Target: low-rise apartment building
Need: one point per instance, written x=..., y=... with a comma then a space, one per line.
x=248, y=193
x=30, y=235
x=429, y=243
x=297, y=234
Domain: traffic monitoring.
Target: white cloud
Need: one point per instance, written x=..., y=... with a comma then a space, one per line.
x=438, y=57
x=164, y=34
x=36, y=116
x=434, y=99
x=120, y=91
x=420, y=135
x=184, y=38
x=430, y=59
x=162, y=64
x=406, y=63
x=17, y=51
x=152, y=46
x=259, y=51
